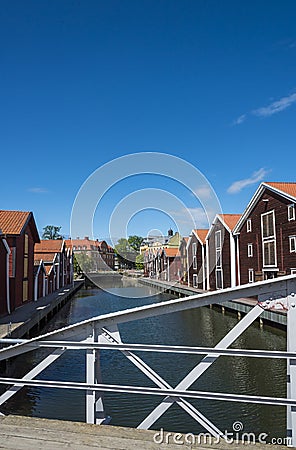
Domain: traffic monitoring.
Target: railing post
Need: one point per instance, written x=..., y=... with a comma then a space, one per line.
x=291, y=363
x=95, y=413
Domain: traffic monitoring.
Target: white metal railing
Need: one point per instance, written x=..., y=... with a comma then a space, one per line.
x=102, y=332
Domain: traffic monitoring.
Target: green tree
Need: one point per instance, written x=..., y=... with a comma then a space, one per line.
x=135, y=242
x=51, y=232
x=140, y=261
x=126, y=254
x=82, y=263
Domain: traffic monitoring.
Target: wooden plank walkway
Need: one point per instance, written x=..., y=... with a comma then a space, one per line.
x=31, y=314
x=27, y=433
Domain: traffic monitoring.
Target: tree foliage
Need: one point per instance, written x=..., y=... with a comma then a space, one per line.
x=140, y=261
x=51, y=232
x=135, y=242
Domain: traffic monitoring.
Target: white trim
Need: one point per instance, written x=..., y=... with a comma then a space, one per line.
x=232, y=261
x=238, y=261
x=208, y=269
x=293, y=271
x=250, y=250
x=203, y=268
x=7, y=275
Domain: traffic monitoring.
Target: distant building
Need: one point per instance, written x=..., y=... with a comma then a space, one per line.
x=101, y=255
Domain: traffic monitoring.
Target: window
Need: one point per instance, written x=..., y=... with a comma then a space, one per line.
x=291, y=212
x=249, y=225
x=269, y=253
x=195, y=280
x=74, y=247
x=250, y=250
x=292, y=241
x=251, y=275
x=194, y=248
x=218, y=248
x=293, y=271
x=219, y=279
x=268, y=239
x=218, y=239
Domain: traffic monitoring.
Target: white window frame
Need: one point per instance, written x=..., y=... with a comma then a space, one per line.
x=218, y=249
x=269, y=239
x=249, y=225
x=250, y=250
x=292, y=243
x=291, y=212
x=293, y=271
x=251, y=276
x=194, y=259
x=194, y=280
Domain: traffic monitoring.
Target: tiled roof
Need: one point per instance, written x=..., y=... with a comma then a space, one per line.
x=49, y=246
x=13, y=222
x=288, y=188
x=46, y=257
x=230, y=219
x=82, y=243
x=201, y=234
x=172, y=252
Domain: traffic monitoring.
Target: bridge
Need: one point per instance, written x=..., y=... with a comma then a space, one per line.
x=102, y=332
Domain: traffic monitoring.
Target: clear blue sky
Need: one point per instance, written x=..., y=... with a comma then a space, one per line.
x=84, y=82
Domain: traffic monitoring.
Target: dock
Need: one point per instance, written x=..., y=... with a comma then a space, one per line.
x=26, y=433
x=32, y=316
x=240, y=306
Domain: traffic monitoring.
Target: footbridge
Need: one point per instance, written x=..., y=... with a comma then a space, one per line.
x=103, y=332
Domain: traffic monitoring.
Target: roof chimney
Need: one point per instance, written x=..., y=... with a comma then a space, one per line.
x=86, y=238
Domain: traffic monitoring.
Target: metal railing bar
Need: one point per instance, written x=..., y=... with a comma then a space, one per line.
x=280, y=401
x=73, y=345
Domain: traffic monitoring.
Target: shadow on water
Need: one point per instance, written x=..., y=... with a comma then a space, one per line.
x=198, y=327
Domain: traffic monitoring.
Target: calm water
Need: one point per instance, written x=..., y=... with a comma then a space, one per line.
x=199, y=327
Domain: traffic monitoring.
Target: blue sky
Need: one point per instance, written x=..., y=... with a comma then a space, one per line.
x=85, y=82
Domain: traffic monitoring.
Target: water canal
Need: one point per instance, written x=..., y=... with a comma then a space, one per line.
x=198, y=327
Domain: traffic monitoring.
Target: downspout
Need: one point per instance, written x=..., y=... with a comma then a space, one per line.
x=7, y=275
x=187, y=260
x=232, y=260
x=58, y=274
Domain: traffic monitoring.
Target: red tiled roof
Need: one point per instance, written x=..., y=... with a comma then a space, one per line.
x=82, y=243
x=49, y=246
x=230, y=219
x=202, y=234
x=46, y=257
x=172, y=252
x=13, y=222
x=288, y=188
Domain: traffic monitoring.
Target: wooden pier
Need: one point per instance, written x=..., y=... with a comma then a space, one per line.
x=26, y=433
x=240, y=306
